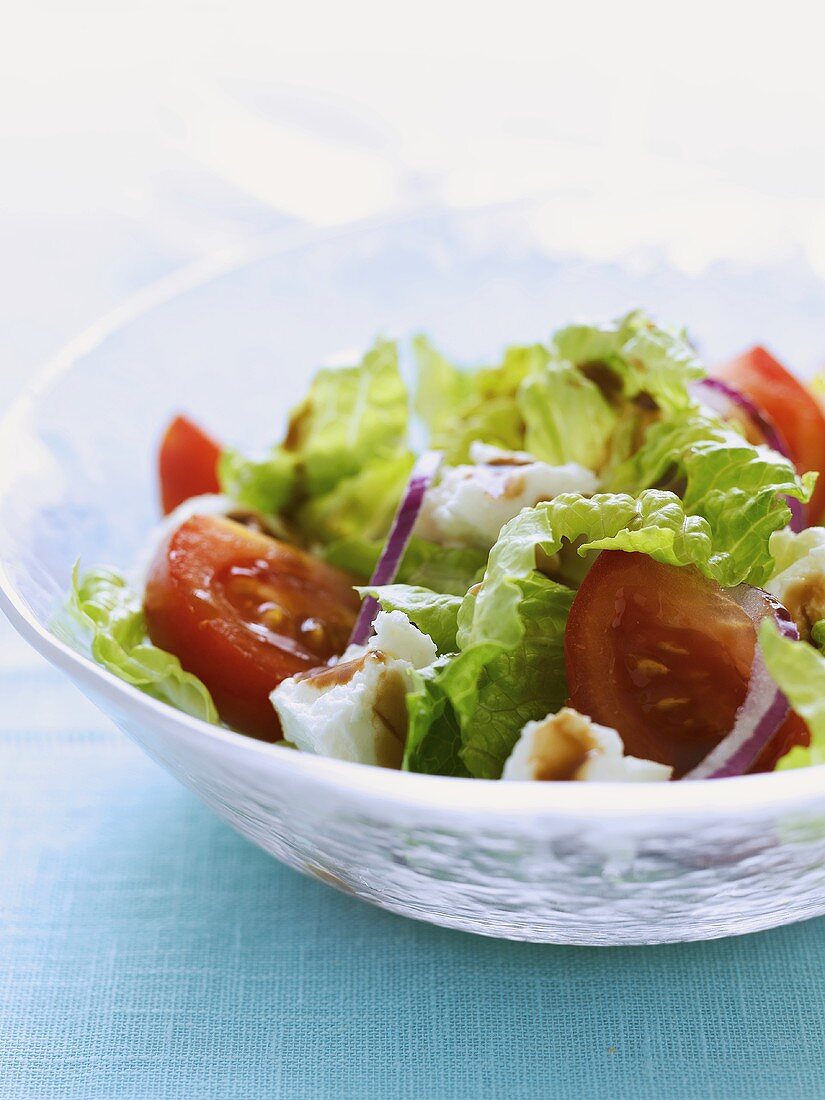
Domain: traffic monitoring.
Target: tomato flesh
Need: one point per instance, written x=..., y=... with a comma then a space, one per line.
x=793, y=731
x=243, y=611
x=791, y=407
x=662, y=655
x=187, y=463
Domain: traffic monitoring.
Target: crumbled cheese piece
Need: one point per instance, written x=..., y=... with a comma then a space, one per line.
x=470, y=504
x=357, y=709
x=396, y=637
x=800, y=582
x=569, y=746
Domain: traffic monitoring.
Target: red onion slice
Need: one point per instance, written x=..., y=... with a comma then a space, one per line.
x=726, y=400
x=423, y=472
x=764, y=709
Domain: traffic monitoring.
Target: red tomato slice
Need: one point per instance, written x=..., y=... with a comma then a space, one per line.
x=662, y=655
x=792, y=732
x=243, y=612
x=791, y=406
x=188, y=463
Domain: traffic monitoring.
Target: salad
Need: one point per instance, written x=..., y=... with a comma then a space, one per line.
x=605, y=564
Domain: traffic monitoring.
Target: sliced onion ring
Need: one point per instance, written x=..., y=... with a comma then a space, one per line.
x=764, y=709
x=726, y=400
x=423, y=473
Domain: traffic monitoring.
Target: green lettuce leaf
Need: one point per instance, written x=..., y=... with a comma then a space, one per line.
x=737, y=487
x=433, y=742
x=799, y=670
x=356, y=556
x=644, y=359
x=480, y=698
x=265, y=484
x=585, y=397
x=432, y=612
x=449, y=570
x=603, y=386
x=344, y=463
x=462, y=406
x=495, y=689
x=104, y=619
x=442, y=388
x=351, y=417
x=359, y=506
x=567, y=417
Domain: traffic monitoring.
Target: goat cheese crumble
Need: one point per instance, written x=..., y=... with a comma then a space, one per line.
x=357, y=709
x=470, y=504
x=569, y=746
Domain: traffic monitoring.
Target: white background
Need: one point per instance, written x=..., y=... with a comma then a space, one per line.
x=137, y=137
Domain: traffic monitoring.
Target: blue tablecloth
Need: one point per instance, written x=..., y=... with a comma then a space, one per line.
x=148, y=951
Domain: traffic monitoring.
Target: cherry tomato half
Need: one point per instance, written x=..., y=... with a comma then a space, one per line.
x=243, y=612
x=662, y=655
x=792, y=408
x=187, y=463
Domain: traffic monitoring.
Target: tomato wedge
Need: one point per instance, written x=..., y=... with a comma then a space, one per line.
x=243, y=611
x=187, y=463
x=662, y=655
x=792, y=408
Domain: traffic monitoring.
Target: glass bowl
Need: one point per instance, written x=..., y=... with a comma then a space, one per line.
x=233, y=342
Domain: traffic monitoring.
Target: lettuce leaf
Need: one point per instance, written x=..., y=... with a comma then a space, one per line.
x=449, y=570
x=643, y=358
x=584, y=397
x=467, y=710
x=441, y=387
x=433, y=742
x=433, y=613
x=602, y=388
x=462, y=406
x=567, y=417
x=265, y=483
x=104, y=619
x=352, y=417
x=799, y=670
x=362, y=505
x=737, y=487
x=495, y=689
x=344, y=463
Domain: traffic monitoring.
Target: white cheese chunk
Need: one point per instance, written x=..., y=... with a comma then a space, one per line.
x=799, y=580
x=357, y=710
x=470, y=504
x=569, y=746
x=395, y=636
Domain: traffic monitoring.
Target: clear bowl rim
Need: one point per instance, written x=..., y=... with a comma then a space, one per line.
x=493, y=797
